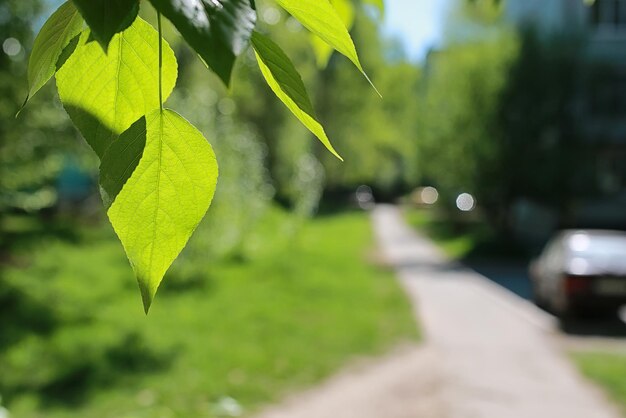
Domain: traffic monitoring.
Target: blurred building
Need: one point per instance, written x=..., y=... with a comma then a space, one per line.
x=600, y=110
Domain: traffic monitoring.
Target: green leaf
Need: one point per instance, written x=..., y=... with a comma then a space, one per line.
x=323, y=51
x=286, y=83
x=105, y=94
x=218, y=31
x=165, y=198
x=64, y=24
x=321, y=18
x=107, y=17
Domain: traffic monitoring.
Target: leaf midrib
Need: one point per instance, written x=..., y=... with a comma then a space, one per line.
x=158, y=188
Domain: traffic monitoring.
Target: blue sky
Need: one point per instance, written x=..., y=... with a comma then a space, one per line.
x=418, y=23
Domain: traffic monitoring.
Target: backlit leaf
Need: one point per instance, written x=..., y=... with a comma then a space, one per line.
x=64, y=24
x=321, y=18
x=323, y=51
x=165, y=198
x=107, y=17
x=218, y=30
x=105, y=94
x=286, y=83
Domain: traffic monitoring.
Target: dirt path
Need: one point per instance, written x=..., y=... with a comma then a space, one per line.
x=488, y=354
x=401, y=385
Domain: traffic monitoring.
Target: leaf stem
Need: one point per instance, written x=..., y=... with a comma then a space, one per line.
x=160, y=61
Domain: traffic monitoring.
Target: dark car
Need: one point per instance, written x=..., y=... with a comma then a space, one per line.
x=581, y=273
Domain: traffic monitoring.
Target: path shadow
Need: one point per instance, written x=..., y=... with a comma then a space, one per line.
x=513, y=276
x=510, y=274
x=613, y=327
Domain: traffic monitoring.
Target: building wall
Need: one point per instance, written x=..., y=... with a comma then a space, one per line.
x=550, y=16
x=600, y=109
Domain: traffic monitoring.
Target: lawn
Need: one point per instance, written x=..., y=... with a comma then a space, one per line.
x=75, y=341
x=606, y=369
x=462, y=235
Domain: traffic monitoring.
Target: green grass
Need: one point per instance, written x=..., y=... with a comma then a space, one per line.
x=460, y=235
x=606, y=369
x=78, y=344
x=456, y=240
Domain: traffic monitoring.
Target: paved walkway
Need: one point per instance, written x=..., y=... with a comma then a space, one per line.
x=499, y=359
x=488, y=353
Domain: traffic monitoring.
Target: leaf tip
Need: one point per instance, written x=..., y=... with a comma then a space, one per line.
x=332, y=149
x=19, y=111
x=371, y=84
x=147, y=296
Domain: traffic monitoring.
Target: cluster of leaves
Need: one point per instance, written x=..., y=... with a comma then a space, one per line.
x=158, y=173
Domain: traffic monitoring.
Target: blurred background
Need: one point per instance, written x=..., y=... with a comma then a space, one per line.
x=502, y=123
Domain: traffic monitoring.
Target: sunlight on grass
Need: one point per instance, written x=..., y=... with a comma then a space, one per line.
x=606, y=369
x=250, y=330
x=455, y=245
x=463, y=235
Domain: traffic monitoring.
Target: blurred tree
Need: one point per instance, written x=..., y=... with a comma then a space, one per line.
x=34, y=146
x=458, y=116
x=497, y=118
x=290, y=158
x=377, y=136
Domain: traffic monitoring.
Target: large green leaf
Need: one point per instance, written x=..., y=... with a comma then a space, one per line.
x=218, y=30
x=286, y=83
x=105, y=94
x=107, y=17
x=323, y=51
x=165, y=198
x=64, y=24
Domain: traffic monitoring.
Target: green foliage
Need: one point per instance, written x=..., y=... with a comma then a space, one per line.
x=458, y=130
x=498, y=120
x=107, y=17
x=158, y=173
x=219, y=32
x=380, y=138
x=34, y=147
x=285, y=82
x=54, y=36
